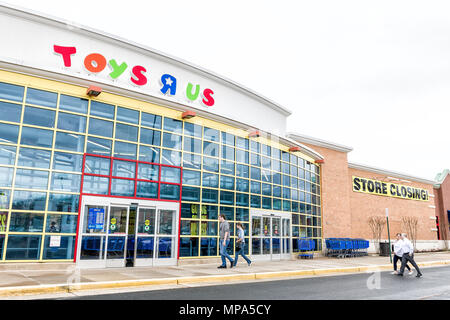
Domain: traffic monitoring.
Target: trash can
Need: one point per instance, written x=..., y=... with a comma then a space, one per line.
x=384, y=249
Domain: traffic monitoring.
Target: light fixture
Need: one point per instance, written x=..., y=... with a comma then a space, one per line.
x=319, y=161
x=293, y=149
x=188, y=114
x=254, y=134
x=93, y=91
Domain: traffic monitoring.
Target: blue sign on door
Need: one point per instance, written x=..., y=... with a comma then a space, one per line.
x=96, y=218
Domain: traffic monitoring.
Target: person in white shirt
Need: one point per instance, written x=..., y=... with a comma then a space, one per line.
x=408, y=252
x=398, y=253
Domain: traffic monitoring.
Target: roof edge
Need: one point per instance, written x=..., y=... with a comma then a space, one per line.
x=395, y=174
x=318, y=142
x=32, y=14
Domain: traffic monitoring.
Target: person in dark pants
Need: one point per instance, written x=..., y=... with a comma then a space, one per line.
x=408, y=252
x=398, y=253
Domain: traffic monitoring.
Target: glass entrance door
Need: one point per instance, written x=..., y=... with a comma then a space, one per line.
x=120, y=233
x=270, y=237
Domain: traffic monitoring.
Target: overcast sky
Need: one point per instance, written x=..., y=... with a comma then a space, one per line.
x=371, y=75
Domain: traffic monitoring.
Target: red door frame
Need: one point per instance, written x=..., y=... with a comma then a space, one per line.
x=135, y=179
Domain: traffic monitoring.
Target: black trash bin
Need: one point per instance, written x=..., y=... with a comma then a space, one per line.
x=384, y=249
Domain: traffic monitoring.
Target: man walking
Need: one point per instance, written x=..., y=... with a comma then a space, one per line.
x=408, y=251
x=224, y=240
x=398, y=253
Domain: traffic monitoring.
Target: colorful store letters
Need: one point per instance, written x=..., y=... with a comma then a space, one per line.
x=95, y=63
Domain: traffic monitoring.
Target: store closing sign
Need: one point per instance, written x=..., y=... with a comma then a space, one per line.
x=388, y=189
x=94, y=63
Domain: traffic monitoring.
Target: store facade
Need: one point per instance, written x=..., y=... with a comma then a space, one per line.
x=113, y=155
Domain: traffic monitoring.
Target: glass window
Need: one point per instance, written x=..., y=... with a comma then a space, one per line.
x=228, y=153
x=286, y=180
x=39, y=117
x=148, y=171
x=147, y=189
x=100, y=127
x=266, y=203
x=211, y=164
x=127, y=115
x=67, y=161
x=172, y=141
x=227, y=138
x=266, y=176
x=169, y=174
x=191, y=177
x=169, y=191
x=210, y=149
x=210, y=180
x=227, y=182
x=22, y=247
x=65, y=250
x=265, y=150
x=149, y=136
x=242, y=156
x=71, y=122
x=208, y=247
x=11, y=92
x=255, y=146
x=122, y=187
x=103, y=110
x=211, y=134
x=188, y=247
x=294, y=159
x=276, y=204
x=285, y=156
x=29, y=200
x=149, y=154
x=226, y=197
x=32, y=179
x=242, y=185
x=277, y=191
x=69, y=141
x=255, y=201
x=210, y=195
x=276, y=153
x=125, y=169
x=255, y=173
x=170, y=157
x=242, y=171
x=227, y=167
x=7, y=155
x=266, y=163
x=26, y=222
x=6, y=175
x=95, y=185
x=60, y=202
x=193, y=130
x=190, y=194
x=242, y=214
x=10, y=111
x=73, y=104
x=192, y=145
x=173, y=125
x=9, y=133
x=276, y=177
x=97, y=165
x=242, y=143
x=255, y=160
x=66, y=182
x=242, y=199
x=98, y=146
x=42, y=98
x=125, y=150
x=229, y=215
x=192, y=161
x=37, y=137
x=126, y=132
x=151, y=120
x=255, y=187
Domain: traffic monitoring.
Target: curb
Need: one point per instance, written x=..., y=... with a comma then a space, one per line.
x=68, y=288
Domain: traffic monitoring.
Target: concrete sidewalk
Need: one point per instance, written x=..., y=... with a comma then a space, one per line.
x=52, y=278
